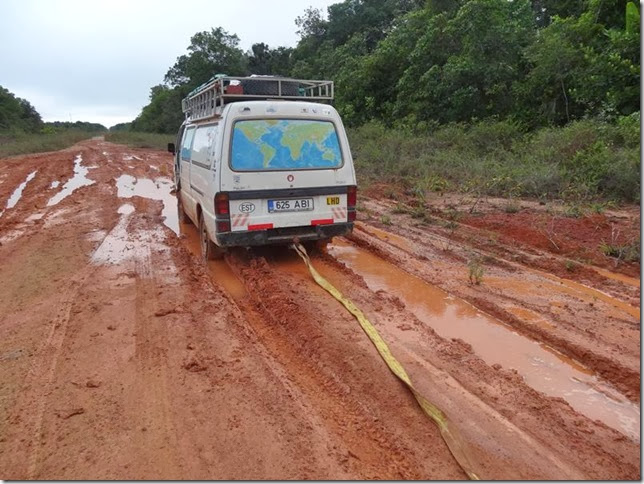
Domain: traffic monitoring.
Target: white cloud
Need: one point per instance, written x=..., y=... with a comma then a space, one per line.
x=99, y=58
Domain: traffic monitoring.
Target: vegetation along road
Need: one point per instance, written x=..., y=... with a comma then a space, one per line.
x=122, y=356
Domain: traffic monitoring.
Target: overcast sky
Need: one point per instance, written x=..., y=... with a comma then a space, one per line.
x=95, y=60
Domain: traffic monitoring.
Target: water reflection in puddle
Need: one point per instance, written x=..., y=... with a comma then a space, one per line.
x=17, y=193
x=159, y=189
x=542, y=367
x=75, y=182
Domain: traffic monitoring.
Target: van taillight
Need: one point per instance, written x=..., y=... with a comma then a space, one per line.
x=223, y=226
x=221, y=204
x=352, y=196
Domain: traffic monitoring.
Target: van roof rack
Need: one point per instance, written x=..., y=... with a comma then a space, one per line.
x=209, y=99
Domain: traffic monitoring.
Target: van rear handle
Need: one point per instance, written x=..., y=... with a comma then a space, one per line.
x=171, y=148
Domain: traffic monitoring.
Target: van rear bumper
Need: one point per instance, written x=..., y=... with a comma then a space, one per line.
x=284, y=235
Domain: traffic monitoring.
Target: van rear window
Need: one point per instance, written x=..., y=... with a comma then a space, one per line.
x=284, y=144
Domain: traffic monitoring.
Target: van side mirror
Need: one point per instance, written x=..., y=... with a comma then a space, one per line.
x=171, y=148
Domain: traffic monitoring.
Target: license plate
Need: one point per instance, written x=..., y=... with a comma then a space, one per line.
x=292, y=205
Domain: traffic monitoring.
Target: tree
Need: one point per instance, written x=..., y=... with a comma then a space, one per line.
x=580, y=68
x=264, y=60
x=17, y=115
x=465, y=63
x=211, y=53
x=163, y=114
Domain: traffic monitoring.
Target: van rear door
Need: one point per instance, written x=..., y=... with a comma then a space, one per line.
x=288, y=172
x=203, y=149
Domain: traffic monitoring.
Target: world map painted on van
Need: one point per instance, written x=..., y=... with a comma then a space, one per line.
x=279, y=144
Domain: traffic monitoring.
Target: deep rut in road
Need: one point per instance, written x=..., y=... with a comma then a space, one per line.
x=156, y=366
x=276, y=282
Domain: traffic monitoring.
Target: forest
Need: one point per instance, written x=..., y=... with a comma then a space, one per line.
x=420, y=64
x=22, y=129
x=532, y=98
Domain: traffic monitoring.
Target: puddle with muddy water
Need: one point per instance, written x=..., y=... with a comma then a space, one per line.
x=159, y=189
x=74, y=183
x=616, y=276
x=17, y=193
x=543, y=368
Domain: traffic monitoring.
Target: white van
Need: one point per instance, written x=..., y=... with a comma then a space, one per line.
x=266, y=171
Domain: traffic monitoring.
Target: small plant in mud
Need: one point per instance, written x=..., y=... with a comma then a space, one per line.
x=626, y=252
x=391, y=193
x=512, y=206
x=385, y=219
x=476, y=271
x=600, y=207
x=420, y=212
x=453, y=214
x=399, y=208
x=573, y=210
x=571, y=265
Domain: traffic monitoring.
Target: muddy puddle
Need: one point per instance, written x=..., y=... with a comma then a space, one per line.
x=566, y=286
x=543, y=368
x=79, y=179
x=123, y=243
x=159, y=189
x=616, y=276
x=393, y=239
x=17, y=193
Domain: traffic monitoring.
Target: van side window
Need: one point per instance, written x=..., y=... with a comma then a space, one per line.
x=187, y=143
x=202, y=145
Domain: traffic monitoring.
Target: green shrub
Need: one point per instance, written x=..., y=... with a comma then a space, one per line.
x=23, y=143
x=584, y=161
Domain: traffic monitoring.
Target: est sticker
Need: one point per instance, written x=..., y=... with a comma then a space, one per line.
x=333, y=200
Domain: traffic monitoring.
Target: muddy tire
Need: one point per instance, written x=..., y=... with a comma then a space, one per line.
x=183, y=216
x=209, y=250
x=317, y=246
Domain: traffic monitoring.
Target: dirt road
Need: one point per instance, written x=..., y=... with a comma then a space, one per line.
x=123, y=356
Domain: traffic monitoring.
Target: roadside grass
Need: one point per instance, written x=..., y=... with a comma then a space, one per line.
x=588, y=161
x=141, y=140
x=22, y=143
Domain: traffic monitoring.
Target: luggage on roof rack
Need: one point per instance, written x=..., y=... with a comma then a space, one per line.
x=208, y=100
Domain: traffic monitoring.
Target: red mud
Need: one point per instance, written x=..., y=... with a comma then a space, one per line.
x=123, y=356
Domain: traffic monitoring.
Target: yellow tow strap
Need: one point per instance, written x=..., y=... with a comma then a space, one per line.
x=450, y=435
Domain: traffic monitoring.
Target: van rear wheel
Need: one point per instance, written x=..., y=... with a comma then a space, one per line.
x=209, y=250
x=183, y=217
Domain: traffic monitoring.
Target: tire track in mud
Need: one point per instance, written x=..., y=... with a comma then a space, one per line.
x=316, y=346
x=498, y=417
x=38, y=384
x=624, y=378
x=290, y=319
x=293, y=336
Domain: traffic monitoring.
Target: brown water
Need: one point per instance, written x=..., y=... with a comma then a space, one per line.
x=616, y=276
x=563, y=285
x=393, y=239
x=542, y=367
